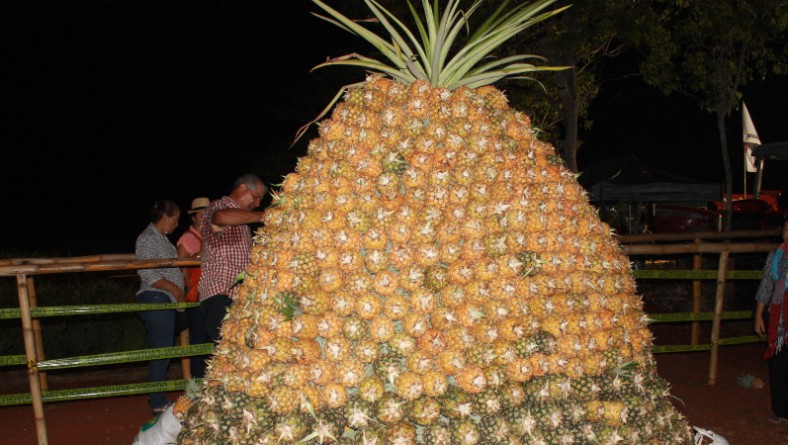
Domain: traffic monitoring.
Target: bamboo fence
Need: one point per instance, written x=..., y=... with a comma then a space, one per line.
x=25, y=268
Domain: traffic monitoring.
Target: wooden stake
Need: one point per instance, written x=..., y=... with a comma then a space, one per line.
x=695, y=335
x=185, y=360
x=715, y=326
x=40, y=355
x=32, y=364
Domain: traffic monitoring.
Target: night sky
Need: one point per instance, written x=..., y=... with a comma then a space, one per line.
x=110, y=105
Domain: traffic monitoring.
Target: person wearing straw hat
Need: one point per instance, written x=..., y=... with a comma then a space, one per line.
x=190, y=246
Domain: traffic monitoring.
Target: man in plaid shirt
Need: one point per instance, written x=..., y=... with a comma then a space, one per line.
x=227, y=242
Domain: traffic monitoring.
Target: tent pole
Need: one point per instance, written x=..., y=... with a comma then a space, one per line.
x=745, y=171
x=758, y=179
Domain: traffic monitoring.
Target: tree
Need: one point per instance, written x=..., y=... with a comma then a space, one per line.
x=715, y=48
x=582, y=38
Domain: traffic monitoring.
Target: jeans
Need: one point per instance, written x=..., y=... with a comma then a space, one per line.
x=160, y=327
x=198, y=334
x=214, y=310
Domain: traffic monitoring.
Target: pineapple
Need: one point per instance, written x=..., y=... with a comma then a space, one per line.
x=416, y=280
x=184, y=401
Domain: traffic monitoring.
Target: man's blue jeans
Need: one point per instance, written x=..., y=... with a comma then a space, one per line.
x=198, y=334
x=160, y=327
x=214, y=310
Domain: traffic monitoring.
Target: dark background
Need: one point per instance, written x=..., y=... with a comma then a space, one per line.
x=110, y=105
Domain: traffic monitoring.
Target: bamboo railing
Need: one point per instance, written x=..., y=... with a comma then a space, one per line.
x=31, y=329
x=24, y=268
x=631, y=246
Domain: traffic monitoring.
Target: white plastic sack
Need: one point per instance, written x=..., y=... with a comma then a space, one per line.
x=161, y=430
x=707, y=437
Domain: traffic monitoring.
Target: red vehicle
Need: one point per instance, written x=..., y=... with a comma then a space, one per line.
x=757, y=214
x=677, y=219
x=634, y=198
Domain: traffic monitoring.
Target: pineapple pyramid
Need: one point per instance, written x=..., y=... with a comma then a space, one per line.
x=432, y=274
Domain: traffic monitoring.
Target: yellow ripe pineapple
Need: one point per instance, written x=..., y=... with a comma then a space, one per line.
x=184, y=402
x=432, y=253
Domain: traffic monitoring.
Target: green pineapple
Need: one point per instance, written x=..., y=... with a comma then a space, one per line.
x=292, y=428
x=390, y=409
x=494, y=430
x=488, y=402
x=512, y=394
x=521, y=421
x=456, y=404
x=574, y=413
x=328, y=426
x=466, y=432
x=585, y=388
x=549, y=415
x=531, y=263
x=359, y=414
x=375, y=435
x=389, y=367
x=438, y=434
x=424, y=410
x=401, y=433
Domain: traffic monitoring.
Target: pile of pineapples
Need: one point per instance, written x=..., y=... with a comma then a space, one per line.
x=431, y=273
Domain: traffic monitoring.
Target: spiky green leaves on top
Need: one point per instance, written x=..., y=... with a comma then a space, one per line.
x=425, y=54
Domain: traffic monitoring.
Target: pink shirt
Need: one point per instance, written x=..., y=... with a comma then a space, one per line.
x=191, y=241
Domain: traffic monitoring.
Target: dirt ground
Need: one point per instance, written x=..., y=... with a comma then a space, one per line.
x=739, y=414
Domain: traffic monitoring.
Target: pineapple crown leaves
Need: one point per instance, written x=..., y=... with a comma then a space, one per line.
x=745, y=380
x=322, y=432
x=276, y=198
x=193, y=388
x=624, y=369
x=288, y=305
x=325, y=111
x=426, y=57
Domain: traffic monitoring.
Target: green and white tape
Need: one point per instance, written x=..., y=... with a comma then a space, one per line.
x=91, y=309
x=64, y=395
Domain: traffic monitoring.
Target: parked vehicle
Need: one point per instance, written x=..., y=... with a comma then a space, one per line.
x=668, y=218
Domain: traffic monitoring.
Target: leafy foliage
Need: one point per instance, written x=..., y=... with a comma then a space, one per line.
x=715, y=47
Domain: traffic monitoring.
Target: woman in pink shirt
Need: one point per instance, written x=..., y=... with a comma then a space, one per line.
x=189, y=246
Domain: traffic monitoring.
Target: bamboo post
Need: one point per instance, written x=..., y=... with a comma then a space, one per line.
x=32, y=364
x=696, y=264
x=185, y=360
x=39, y=339
x=715, y=326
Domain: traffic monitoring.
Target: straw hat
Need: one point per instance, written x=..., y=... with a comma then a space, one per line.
x=199, y=204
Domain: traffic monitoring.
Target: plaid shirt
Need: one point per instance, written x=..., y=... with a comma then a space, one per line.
x=225, y=253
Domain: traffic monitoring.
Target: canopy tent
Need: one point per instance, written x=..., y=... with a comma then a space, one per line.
x=630, y=179
x=774, y=151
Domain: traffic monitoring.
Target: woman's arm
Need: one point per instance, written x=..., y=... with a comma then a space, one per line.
x=168, y=286
x=763, y=295
x=760, y=327
x=182, y=253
